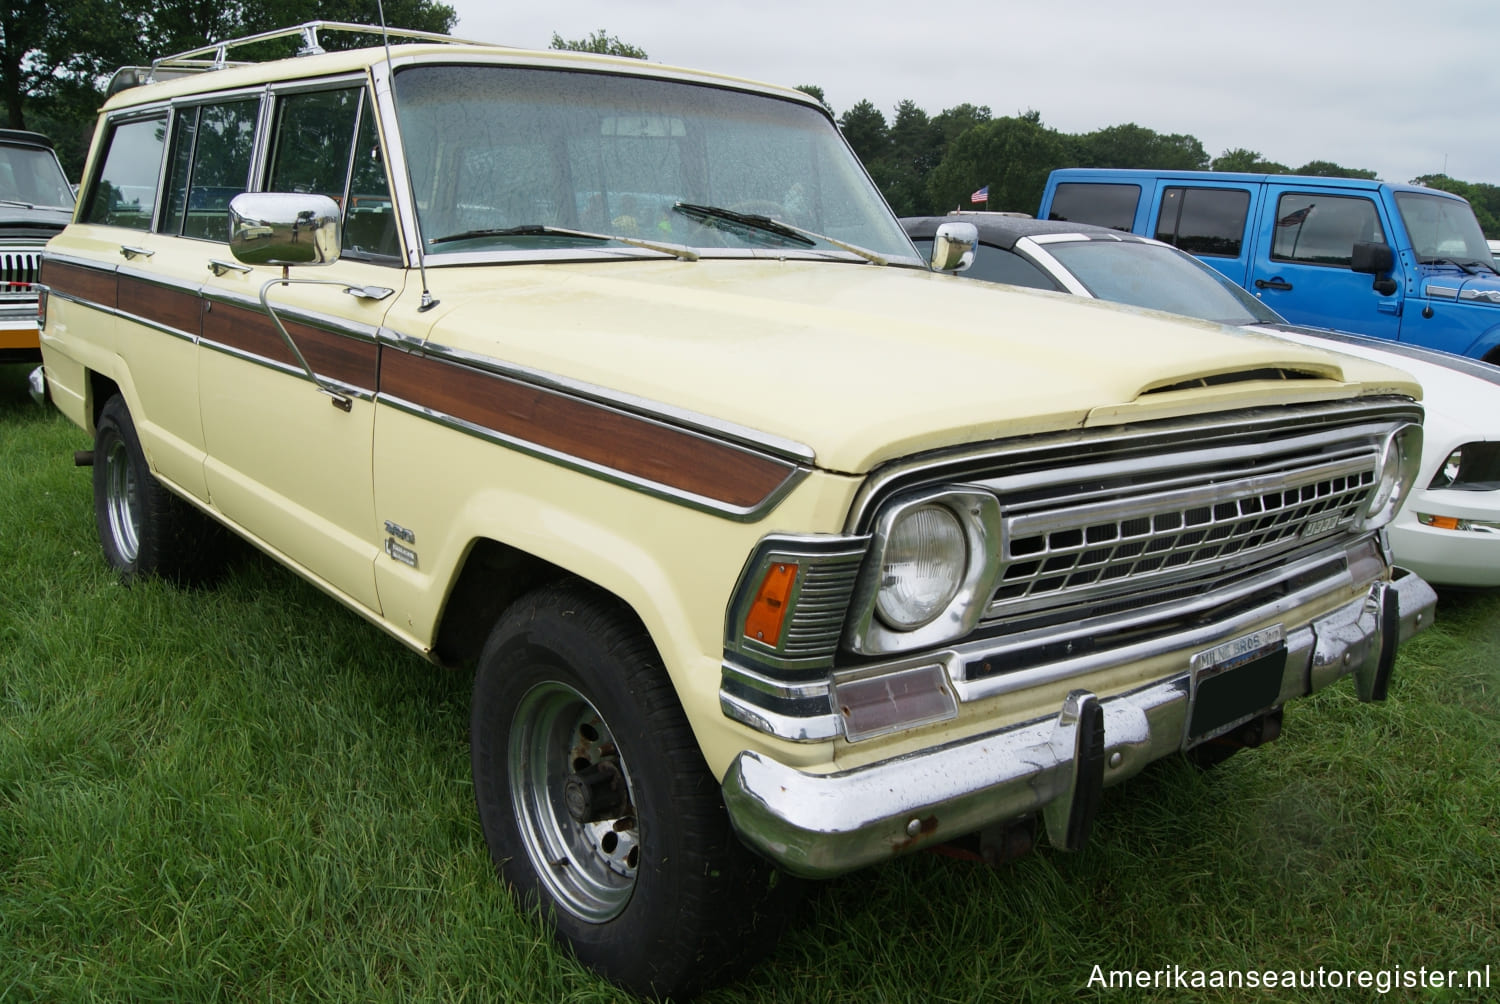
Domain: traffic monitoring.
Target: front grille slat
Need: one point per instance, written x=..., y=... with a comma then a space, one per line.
x=18, y=270
x=1151, y=538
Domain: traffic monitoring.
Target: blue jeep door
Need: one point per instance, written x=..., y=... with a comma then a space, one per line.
x=1301, y=267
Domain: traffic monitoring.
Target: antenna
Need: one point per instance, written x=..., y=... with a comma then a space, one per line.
x=427, y=301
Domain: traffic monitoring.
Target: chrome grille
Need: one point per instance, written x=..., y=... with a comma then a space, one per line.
x=18, y=269
x=1092, y=549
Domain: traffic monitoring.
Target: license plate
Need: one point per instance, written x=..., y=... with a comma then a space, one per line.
x=1236, y=681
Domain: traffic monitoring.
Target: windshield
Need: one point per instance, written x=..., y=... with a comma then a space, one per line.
x=1442, y=228
x=1150, y=275
x=498, y=154
x=32, y=175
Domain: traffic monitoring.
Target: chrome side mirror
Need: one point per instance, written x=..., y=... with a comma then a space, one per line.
x=953, y=247
x=280, y=228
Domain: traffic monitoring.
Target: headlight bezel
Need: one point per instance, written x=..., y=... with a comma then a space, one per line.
x=978, y=515
x=1396, y=471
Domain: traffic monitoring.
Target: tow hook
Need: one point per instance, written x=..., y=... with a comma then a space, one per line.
x=1256, y=732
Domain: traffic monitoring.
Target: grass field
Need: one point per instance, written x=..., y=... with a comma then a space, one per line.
x=246, y=793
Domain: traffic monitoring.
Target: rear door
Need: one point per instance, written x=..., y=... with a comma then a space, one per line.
x=1306, y=240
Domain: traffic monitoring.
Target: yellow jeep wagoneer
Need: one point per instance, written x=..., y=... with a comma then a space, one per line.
x=773, y=550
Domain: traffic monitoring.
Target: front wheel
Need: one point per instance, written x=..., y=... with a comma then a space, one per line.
x=597, y=804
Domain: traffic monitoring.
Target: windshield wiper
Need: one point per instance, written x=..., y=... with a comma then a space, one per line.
x=765, y=224
x=543, y=230
x=1462, y=266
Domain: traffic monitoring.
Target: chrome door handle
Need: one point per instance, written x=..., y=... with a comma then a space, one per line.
x=218, y=266
x=131, y=252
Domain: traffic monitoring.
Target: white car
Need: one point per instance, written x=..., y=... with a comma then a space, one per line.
x=1449, y=529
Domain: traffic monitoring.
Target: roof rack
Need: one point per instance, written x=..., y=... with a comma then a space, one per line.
x=216, y=55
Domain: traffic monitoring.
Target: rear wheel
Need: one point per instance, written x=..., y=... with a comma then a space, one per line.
x=144, y=529
x=597, y=804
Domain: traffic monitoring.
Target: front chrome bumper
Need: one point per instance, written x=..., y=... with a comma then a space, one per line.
x=820, y=825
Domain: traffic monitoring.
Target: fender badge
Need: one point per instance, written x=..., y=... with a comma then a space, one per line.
x=405, y=555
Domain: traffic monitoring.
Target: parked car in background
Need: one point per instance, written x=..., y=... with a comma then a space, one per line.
x=1448, y=531
x=36, y=202
x=620, y=385
x=1396, y=262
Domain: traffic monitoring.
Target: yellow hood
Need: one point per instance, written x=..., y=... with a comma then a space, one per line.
x=865, y=364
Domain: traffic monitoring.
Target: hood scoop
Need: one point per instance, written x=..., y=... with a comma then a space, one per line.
x=1274, y=373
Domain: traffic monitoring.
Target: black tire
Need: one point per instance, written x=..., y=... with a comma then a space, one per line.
x=145, y=530
x=651, y=888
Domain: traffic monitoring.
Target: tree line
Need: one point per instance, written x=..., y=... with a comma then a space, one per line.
x=55, y=56
x=929, y=164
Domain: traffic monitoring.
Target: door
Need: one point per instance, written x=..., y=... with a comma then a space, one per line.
x=287, y=461
x=1305, y=245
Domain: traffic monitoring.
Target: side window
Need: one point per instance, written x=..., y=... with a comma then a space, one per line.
x=1110, y=206
x=1321, y=229
x=123, y=193
x=211, y=150
x=325, y=143
x=1204, y=221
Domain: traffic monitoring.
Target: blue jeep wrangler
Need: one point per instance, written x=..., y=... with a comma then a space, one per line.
x=1394, y=261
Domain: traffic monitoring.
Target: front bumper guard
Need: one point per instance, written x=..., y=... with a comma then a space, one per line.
x=821, y=825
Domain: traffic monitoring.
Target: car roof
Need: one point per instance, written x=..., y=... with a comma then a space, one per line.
x=25, y=137
x=1003, y=231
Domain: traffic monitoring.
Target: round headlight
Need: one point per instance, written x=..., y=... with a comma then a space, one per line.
x=926, y=556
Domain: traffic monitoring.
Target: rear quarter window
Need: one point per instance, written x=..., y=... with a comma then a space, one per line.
x=1204, y=221
x=1110, y=206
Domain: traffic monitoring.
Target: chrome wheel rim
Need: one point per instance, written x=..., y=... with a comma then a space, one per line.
x=588, y=867
x=120, y=503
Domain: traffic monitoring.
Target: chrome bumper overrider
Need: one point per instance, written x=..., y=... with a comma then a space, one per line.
x=820, y=825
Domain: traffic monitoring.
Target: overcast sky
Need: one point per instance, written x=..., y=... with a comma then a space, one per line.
x=1399, y=88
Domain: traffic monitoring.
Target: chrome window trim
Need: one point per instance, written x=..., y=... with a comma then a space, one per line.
x=113, y=120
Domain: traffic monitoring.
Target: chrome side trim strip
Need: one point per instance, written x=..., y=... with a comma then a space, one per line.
x=741, y=514
x=348, y=390
x=680, y=418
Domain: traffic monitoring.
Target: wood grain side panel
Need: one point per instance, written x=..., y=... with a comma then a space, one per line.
x=172, y=308
x=96, y=286
x=583, y=429
x=344, y=358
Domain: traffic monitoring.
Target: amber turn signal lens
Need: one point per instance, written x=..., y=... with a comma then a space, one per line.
x=768, y=610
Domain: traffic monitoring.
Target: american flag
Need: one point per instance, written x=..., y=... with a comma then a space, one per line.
x=1294, y=219
x=983, y=195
